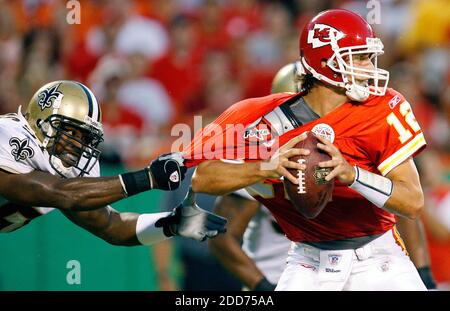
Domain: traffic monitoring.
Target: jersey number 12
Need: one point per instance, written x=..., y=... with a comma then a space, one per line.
x=404, y=133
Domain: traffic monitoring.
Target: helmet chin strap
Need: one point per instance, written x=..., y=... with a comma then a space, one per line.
x=356, y=93
x=353, y=90
x=46, y=128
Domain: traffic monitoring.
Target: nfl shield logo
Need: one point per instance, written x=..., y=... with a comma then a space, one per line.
x=334, y=259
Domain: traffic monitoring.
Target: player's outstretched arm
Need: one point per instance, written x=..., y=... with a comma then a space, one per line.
x=227, y=247
x=186, y=220
x=43, y=189
x=219, y=177
x=81, y=194
x=110, y=225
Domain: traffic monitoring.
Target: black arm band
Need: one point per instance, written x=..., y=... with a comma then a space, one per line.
x=166, y=223
x=264, y=286
x=136, y=182
x=427, y=277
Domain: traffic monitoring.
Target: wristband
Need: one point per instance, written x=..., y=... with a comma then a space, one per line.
x=264, y=286
x=146, y=231
x=375, y=188
x=427, y=277
x=136, y=182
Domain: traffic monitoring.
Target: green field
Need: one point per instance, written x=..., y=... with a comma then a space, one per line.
x=35, y=257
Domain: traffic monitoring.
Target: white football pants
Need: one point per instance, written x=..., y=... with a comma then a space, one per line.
x=380, y=265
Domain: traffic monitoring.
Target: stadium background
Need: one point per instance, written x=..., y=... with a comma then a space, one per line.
x=157, y=63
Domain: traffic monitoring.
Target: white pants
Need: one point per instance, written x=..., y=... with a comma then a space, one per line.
x=380, y=265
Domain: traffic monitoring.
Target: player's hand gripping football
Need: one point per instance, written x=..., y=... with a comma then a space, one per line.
x=190, y=221
x=279, y=162
x=168, y=171
x=341, y=168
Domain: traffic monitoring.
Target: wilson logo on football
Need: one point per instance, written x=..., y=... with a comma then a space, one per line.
x=322, y=35
x=320, y=173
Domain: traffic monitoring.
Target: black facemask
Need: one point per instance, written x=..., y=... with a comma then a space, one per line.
x=78, y=153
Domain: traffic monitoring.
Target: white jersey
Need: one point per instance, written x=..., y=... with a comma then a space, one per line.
x=21, y=152
x=265, y=243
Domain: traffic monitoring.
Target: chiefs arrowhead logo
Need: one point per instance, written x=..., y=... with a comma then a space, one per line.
x=322, y=35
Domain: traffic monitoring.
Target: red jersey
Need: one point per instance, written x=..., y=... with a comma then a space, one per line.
x=377, y=135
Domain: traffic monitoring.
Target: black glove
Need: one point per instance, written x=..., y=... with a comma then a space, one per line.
x=168, y=171
x=427, y=277
x=264, y=286
x=190, y=221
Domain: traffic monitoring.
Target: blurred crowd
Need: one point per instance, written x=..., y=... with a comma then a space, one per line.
x=156, y=63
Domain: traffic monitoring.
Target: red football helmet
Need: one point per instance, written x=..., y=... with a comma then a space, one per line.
x=334, y=37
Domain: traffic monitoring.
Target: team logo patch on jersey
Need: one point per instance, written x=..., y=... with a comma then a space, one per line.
x=48, y=96
x=324, y=130
x=322, y=35
x=21, y=149
x=259, y=131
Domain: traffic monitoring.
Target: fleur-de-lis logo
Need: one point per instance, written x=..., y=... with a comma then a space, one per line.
x=21, y=149
x=48, y=96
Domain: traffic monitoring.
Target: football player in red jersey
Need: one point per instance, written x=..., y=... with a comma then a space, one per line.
x=371, y=134
x=262, y=257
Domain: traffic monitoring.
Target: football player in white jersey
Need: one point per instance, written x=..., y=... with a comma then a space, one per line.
x=49, y=160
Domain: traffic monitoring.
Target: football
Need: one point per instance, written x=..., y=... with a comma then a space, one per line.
x=313, y=192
